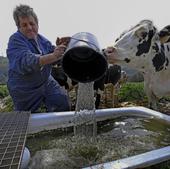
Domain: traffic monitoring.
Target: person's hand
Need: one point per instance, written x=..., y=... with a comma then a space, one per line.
x=52, y=57
x=59, y=51
x=63, y=41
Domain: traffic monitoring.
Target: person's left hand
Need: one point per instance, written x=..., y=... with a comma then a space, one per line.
x=59, y=51
x=63, y=41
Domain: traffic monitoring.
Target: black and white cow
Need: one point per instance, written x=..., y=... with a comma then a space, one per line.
x=112, y=75
x=146, y=49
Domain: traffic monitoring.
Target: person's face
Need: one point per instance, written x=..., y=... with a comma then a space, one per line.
x=28, y=27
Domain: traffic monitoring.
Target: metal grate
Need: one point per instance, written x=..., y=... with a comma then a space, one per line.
x=13, y=131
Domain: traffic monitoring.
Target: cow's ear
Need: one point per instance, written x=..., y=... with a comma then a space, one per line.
x=164, y=34
x=164, y=39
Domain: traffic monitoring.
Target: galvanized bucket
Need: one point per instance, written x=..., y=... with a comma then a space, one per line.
x=83, y=60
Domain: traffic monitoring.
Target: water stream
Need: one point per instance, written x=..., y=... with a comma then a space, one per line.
x=84, y=118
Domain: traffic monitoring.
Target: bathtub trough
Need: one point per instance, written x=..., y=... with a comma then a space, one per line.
x=53, y=120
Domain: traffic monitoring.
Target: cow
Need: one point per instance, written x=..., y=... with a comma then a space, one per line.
x=146, y=49
x=112, y=75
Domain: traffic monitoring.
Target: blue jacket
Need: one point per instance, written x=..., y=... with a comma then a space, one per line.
x=28, y=83
x=24, y=61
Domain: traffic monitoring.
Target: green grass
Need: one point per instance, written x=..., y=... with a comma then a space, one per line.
x=6, y=99
x=131, y=91
x=3, y=91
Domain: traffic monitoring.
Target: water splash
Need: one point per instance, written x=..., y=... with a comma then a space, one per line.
x=84, y=118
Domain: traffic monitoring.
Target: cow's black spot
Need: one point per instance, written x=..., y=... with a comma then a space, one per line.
x=145, y=45
x=159, y=60
x=162, y=33
x=165, y=31
x=127, y=60
x=162, y=46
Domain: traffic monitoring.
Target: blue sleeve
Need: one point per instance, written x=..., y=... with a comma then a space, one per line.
x=21, y=59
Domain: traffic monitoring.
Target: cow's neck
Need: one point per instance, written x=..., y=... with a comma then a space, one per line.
x=156, y=60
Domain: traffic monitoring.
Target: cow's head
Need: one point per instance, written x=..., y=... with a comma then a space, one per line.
x=139, y=47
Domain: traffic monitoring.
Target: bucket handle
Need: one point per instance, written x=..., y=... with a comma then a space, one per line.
x=60, y=60
x=84, y=41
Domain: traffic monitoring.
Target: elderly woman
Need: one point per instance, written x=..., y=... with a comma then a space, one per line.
x=30, y=57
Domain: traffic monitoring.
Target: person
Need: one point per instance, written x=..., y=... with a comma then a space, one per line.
x=31, y=56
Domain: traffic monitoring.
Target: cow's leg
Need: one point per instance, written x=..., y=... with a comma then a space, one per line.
x=97, y=100
x=153, y=102
x=116, y=88
x=113, y=95
x=105, y=96
x=152, y=99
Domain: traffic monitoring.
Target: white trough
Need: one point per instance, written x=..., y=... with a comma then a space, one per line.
x=139, y=161
x=53, y=120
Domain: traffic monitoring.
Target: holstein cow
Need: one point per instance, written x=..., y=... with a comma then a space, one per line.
x=147, y=50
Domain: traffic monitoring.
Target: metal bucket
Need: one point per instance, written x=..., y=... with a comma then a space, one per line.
x=83, y=60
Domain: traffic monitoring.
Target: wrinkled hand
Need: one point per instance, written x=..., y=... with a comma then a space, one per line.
x=63, y=41
x=59, y=51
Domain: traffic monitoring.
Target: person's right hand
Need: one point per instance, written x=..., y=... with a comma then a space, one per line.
x=52, y=57
x=59, y=51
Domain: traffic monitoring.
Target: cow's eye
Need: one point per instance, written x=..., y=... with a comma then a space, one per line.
x=141, y=32
x=117, y=39
x=144, y=34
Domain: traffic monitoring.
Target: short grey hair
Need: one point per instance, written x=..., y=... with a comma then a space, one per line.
x=23, y=11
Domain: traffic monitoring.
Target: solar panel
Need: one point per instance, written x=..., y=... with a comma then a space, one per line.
x=13, y=131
